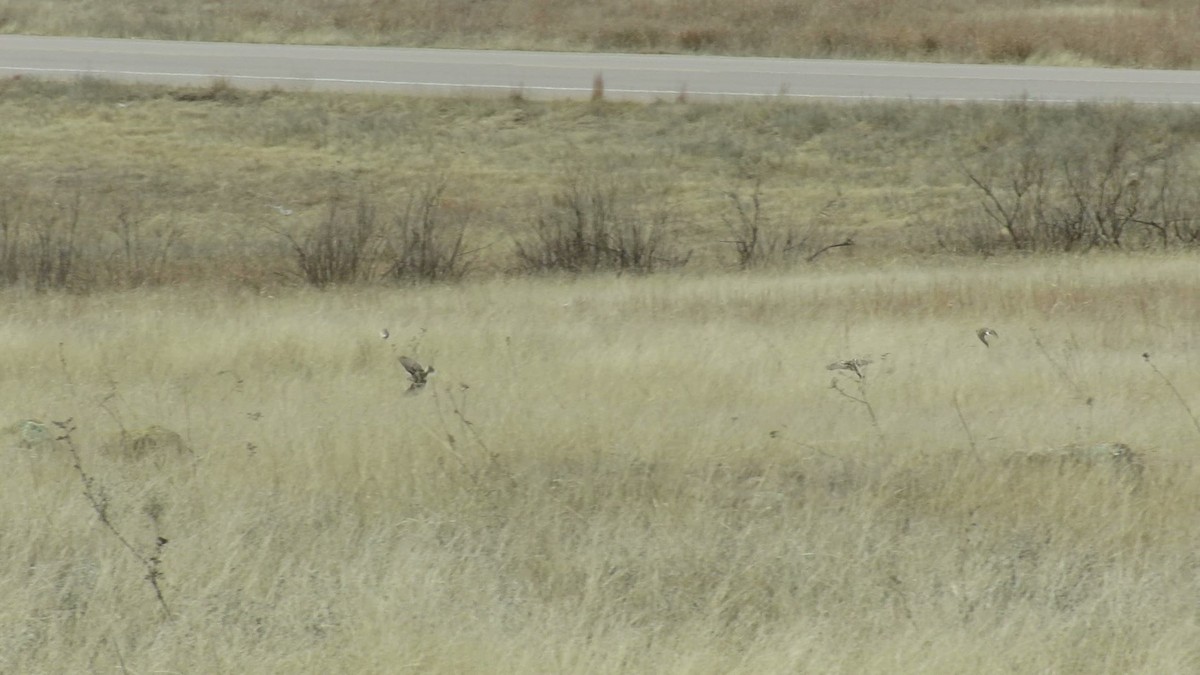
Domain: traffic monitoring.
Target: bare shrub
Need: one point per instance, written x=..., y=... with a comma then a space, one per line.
x=961, y=232
x=595, y=223
x=10, y=240
x=75, y=238
x=425, y=242
x=342, y=248
x=39, y=237
x=1172, y=205
x=757, y=242
x=1112, y=185
x=144, y=247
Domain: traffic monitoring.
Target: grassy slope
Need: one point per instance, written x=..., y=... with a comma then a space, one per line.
x=1137, y=33
x=656, y=477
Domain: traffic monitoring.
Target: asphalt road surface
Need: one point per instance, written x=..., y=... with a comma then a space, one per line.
x=572, y=75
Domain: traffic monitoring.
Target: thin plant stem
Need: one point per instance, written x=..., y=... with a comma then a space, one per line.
x=966, y=429
x=1174, y=390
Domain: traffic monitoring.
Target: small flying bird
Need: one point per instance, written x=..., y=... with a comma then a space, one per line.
x=984, y=334
x=384, y=334
x=418, y=374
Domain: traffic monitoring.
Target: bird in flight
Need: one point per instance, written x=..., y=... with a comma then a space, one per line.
x=417, y=373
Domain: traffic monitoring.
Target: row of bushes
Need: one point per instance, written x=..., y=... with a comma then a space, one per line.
x=587, y=227
x=1123, y=190
x=66, y=242
x=78, y=239
x=593, y=223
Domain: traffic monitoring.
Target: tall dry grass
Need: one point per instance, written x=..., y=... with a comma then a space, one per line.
x=614, y=475
x=1159, y=34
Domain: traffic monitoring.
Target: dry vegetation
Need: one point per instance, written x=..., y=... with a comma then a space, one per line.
x=609, y=472
x=639, y=474
x=111, y=186
x=1140, y=33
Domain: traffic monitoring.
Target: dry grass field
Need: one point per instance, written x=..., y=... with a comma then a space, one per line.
x=609, y=472
x=643, y=474
x=1139, y=33
x=110, y=186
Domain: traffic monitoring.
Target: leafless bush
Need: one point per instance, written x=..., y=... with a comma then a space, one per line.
x=144, y=248
x=597, y=224
x=55, y=251
x=757, y=242
x=1115, y=186
x=1172, y=213
x=425, y=242
x=77, y=238
x=10, y=240
x=961, y=232
x=341, y=248
x=39, y=239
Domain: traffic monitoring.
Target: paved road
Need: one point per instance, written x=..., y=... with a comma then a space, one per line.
x=571, y=75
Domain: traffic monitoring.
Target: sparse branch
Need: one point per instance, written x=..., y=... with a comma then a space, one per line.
x=1175, y=390
x=861, y=398
x=848, y=242
x=452, y=440
x=965, y=427
x=99, y=502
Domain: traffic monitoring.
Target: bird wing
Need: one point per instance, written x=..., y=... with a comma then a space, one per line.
x=414, y=369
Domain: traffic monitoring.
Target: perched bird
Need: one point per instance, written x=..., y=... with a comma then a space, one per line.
x=984, y=334
x=418, y=374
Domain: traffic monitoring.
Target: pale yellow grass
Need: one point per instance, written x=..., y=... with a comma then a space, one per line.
x=655, y=477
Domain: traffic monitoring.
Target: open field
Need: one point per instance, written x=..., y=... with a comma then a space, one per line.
x=641, y=474
x=1138, y=33
x=609, y=472
x=115, y=186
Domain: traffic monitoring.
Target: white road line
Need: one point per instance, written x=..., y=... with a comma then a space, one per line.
x=683, y=91
x=569, y=74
